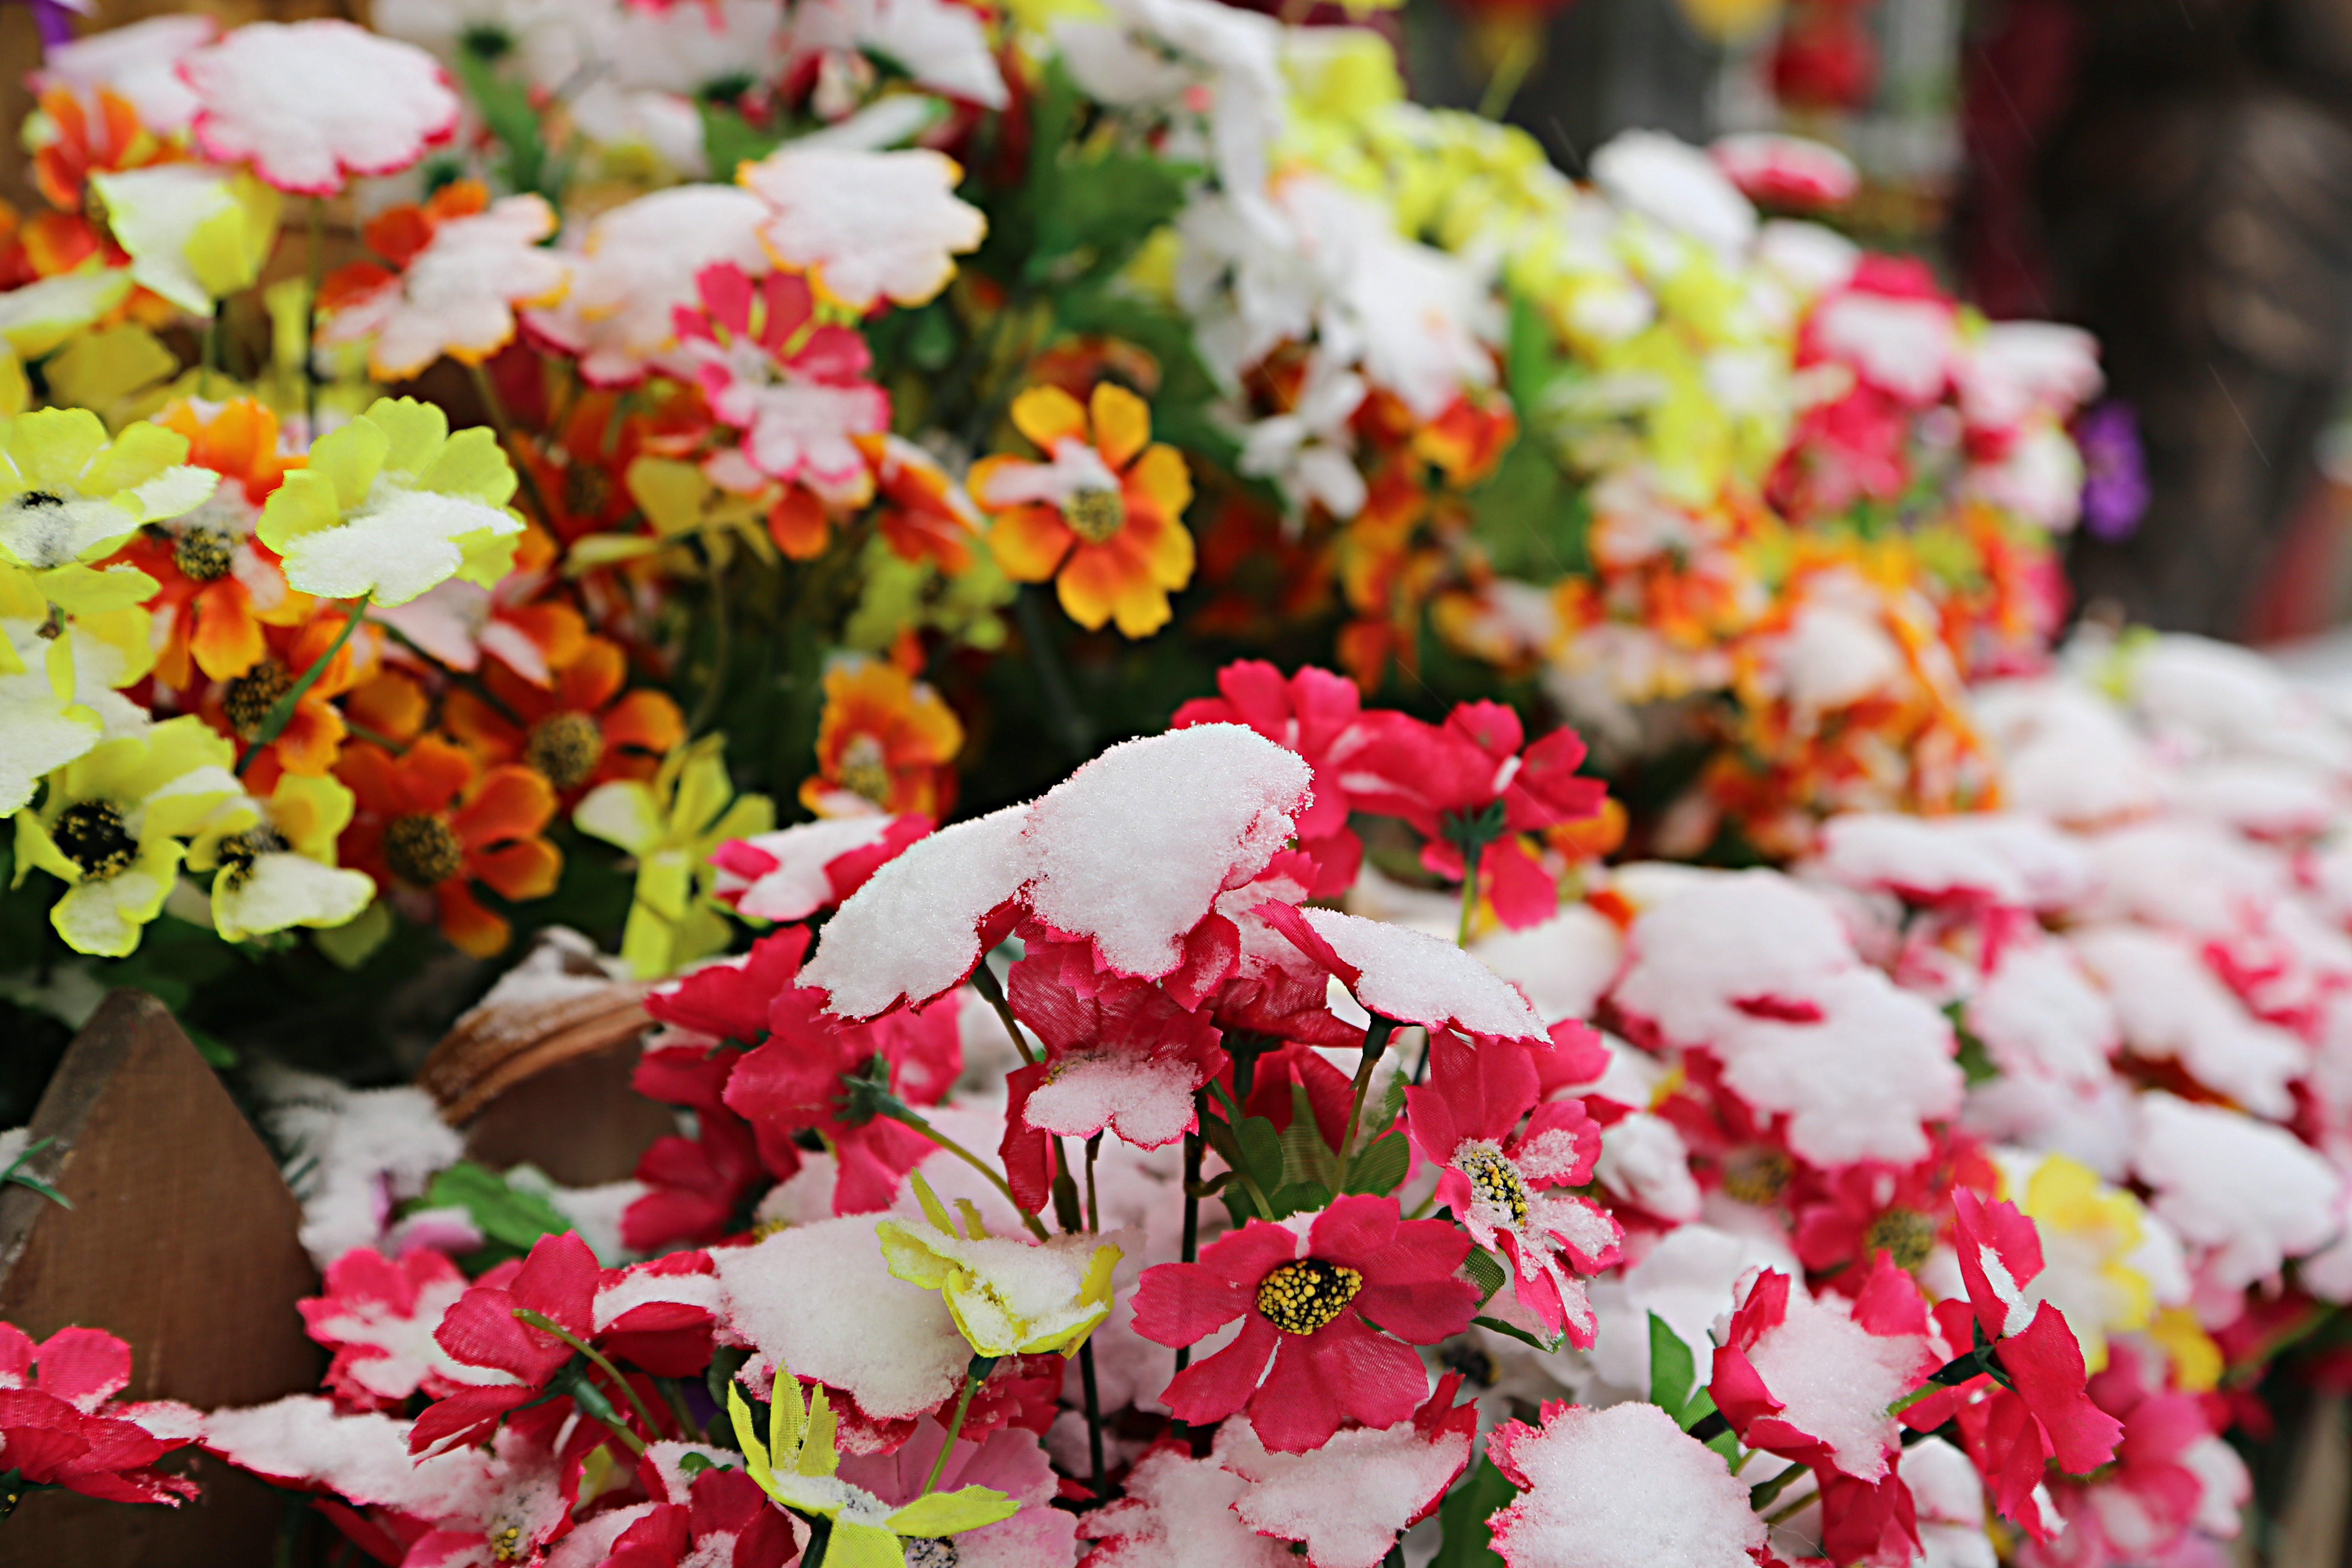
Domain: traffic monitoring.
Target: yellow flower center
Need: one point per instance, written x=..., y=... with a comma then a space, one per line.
x=252, y=695
x=506, y=1546
x=564, y=748
x=239, y=851
x=1094, y=515
x=1905, y=1235
x=202, y=555
x=864, y=770
x=1758, y=1176
x=931, y=1552
x=422, y=850
x=92, y=834
x=1495, y=1181
x=1301, y=1298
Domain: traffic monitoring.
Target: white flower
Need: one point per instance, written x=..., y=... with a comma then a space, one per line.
x=637, y=265
x=1675, y=185
x=311, y=103
x=139, y=63
x=548, y=38
x=458, y=296
x=866, y=225
x=940, y=45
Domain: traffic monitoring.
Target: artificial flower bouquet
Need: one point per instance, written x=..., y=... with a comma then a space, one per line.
x=488, y=474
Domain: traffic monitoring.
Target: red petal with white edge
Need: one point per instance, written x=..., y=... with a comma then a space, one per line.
x=2046, y=1363
x=83, y=1366
x=1999, y=1252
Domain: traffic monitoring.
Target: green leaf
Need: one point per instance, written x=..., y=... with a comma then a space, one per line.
x=728, y=139
x=1380, y=1168
x=1549, y=1346
x=1299, y=1197
x=1261, y=1151
x=1466, y=1541
x=1672, y=1373
x=1305, y=1156
x=1486, y=1271
x=506, y=109
x=510, y=1219
x=1106, y=206
x=1975, y=1062
x=17, y=1173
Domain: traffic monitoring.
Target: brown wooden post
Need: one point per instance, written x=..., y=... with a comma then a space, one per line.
x=182, y=1240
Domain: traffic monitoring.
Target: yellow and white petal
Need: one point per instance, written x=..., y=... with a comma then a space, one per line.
x=282, y=890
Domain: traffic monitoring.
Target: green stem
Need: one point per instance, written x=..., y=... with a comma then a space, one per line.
x=281, y=712
x=991, y=990
x=1078, y=731
x=1472, y=853
x=547, y=1325
x=493, y=405
x=820, y=1538
x=1760, y=1495
x=1376, y=1040
x=909, y=1118
x=1192, y=1243
x=1913, y=1397
x=315, y=273
x=979, y=1368
x=1094, y=1416
x=706, y=706
x=1788, y=1511
x=1093, y=1211
x=213, y=338
x=1510, y=74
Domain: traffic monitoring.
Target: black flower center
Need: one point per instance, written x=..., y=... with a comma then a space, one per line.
x=564, y=747
x=252, y=695
x=202, y=554
x=864, y=770
x=93, y=836
x=1495, y=1181
x=40, y=497
x=238, y=853
x=1756, y=1176
x=1301, y=1298
x=929, y=1551
x=1904, y=1234
x=1094, y=515
x=422, y=850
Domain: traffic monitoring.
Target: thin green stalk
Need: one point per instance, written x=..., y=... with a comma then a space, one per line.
x=706, y=706
x=281, y=712
x=1471, y=854
x=315, y=275
x=1760, y=1495
x=1094, y=1210
x=1510, y=73
x=212, y=338
x=547, y=1325
x=979, y=1368
x=1192, y=1243
x=1376, y=1040
x=494, y=407
x=820, y=1539
x=1913, y=1397
x=1788, y=1511
x=910, y=1119
x=1078, y=732
x=1094, y=1417
x=991, y=990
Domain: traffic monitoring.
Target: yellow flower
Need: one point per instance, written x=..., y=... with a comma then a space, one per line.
x=797, y=1465
x=2090, y=1232
x=70, y=495
x=1007, y=1297
x=671, y=826
x=276, y=860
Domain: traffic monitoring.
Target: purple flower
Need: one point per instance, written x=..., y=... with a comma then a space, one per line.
x=2115, y=469
x=50, y=18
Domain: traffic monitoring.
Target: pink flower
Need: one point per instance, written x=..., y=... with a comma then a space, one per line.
x=790, y=874
x=795, y=388
x=1308, y=1306
x=1466, y=787
x=1007, y=1461
x=1316, y=714
x=1786, y=171
x=312, y=103
x=378, y=1316
x=1409, y=976
x=1496, y=1173
x=1248, y=976
x=59, y=1427
x=698, y=1186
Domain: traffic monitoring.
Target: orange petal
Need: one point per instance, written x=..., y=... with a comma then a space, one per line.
x=225, y=639
x=393, y=704
x=1030, y=543
x=930, y=733
x=431, y=774
x=1047, y=416
x=644, y=720
x=586, y=682
x=1089, y=586
x=465, y=922
x=311, y=738
x=798, y=524
x=513, y=803
x=1122, y=423
x=557, y=630
x=527, y=868
x=1159, y=483
x=373, y=777
x=1162, y=548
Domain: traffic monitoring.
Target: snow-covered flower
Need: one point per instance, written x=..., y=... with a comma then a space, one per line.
x=275, y=859
x=393, y=503
x=1009, y=1296
x=636, y=265
x=464, y=266
x=310, y=104
x=940, y=45
x=70, y=495
x=195, y=234
x=1621, y=1487
x=865, y=225
x=1349, y=1499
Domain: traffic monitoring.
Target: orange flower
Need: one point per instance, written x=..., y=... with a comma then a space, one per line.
x=398, y=233
x=220, y=585
x=886, y=742
x=924, y=515
x=74, y=145
x=427, y=821
x=579, y=731
x=1103, y=517
x=313, y=736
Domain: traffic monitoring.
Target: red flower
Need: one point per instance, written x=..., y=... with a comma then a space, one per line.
x=1309, y=1307
x=56, y=1428
x=1466, y=1119
x=2045, y=1411
x=1848, y=1216
x=1467, y=782
x=558, y=1281
x=697, y=1184
x=1316, y=714
x=369, y=1314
